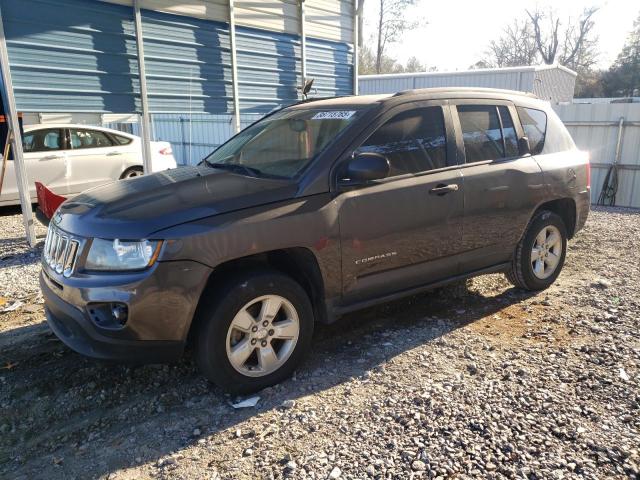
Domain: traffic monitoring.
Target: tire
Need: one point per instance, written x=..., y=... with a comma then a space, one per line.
x=223, y=329
x=132, y=172
x=523, y=273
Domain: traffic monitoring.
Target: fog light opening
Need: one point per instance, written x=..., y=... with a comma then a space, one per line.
x=120, y=313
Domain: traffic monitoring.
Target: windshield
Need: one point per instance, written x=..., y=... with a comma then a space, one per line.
x=281, y=145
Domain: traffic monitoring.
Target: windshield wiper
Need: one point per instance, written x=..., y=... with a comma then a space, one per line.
x=236, y=168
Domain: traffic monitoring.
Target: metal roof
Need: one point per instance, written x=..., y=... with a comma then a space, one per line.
x=488, y=71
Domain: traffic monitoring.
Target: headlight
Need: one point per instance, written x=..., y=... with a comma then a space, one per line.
x=116, y=254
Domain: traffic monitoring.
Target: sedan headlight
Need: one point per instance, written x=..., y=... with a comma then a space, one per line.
x=118, y=255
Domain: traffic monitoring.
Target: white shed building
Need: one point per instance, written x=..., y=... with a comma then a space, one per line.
x=549, y=82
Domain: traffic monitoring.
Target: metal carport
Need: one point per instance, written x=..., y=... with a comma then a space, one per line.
x=230, y=58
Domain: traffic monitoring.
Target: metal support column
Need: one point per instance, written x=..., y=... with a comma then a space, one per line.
x=14, y=128
x=356, y=35
x=616, y=160
x=234, y=68
x=303, y=44
x=145, y=124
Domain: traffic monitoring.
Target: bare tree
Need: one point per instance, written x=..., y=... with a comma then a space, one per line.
x=516, y=47
x=367, y=64
x=392, y=23
x=573, y=46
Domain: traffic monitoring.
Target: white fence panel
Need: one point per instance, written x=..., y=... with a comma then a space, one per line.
x=595, y=128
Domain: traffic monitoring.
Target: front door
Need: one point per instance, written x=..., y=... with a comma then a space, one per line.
x=405, y=230
x=44, y=160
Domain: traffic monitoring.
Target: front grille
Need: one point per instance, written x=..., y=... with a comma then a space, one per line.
x=60, y=251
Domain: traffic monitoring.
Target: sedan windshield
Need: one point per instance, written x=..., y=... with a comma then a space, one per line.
x=281, y=145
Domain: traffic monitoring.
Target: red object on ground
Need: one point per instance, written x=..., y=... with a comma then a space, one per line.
x=48, y=201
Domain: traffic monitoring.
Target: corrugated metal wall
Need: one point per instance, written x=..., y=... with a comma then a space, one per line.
x=80, y=55
x=553, y=84
x=71, y=56
x=594, y=128
x=268, y=69
x=188, y=64
x=513, y=79
x=326, y=19
x=330, y=64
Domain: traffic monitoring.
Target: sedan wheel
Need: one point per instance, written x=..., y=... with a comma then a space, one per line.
x=134, y=172
x=262, y=336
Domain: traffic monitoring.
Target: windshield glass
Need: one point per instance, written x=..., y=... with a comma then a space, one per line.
x=283, y=144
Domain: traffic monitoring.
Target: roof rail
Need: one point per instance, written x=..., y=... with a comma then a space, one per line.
x=462, y=89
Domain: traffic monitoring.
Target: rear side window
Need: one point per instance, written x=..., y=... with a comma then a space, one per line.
x=534, y=124
x=413, y=141
x=557, y=138
x=510, y=137
x=481, y=132
x=121, y=139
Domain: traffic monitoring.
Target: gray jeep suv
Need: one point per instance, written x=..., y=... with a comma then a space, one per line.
x=318, y=209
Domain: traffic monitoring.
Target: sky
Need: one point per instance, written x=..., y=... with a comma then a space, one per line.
x=456, y=33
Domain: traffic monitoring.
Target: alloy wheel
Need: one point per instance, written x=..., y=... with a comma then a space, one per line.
x=546, y=252
x=262, y=335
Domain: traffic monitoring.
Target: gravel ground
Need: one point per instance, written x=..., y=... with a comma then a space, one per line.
x=470, y=381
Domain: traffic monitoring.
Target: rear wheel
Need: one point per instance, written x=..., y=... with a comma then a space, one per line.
x=254, y=331
x=132, y=172
x=539, y=257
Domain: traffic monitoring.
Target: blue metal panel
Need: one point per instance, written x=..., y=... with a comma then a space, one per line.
x=194, y=136
x=331, y=66
x=268, y=69
x=188, y=64
x=71, y=55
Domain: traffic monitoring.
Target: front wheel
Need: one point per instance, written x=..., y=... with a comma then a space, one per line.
x=540, y=254
x=254, y=331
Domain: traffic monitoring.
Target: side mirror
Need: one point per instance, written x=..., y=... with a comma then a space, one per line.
x=523, y=146
x=366, y=166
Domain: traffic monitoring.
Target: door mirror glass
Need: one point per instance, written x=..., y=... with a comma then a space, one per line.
x=366, y=166
x=523, y=146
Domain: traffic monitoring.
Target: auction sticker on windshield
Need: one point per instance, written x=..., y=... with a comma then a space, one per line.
x=334, y=115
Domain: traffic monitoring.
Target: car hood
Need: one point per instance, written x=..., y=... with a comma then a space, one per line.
x=138, y=207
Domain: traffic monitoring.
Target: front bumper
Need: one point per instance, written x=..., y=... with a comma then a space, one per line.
x=161, y=304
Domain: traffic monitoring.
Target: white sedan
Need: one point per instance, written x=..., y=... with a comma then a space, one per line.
x=71, y=158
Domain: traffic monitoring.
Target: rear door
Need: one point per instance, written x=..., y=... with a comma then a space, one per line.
x=402, y=231
x=501, y=186
x=94, y=158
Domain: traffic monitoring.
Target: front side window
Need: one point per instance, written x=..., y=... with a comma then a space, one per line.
x=534, y=124
x=283, y=144
x=42, y=140
x=88, y=139
x=413, y=141
x=121, y=139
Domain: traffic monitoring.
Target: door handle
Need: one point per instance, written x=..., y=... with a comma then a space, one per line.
x=51, y=157
x=442, y=189
x=112, y=154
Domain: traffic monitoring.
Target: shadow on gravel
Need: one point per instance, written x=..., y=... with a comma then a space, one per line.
x=20, y=252
x=71, y=416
